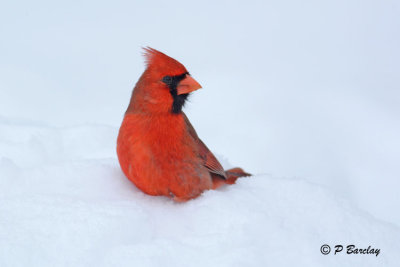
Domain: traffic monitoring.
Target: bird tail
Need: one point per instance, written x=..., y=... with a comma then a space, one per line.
x=231, y=174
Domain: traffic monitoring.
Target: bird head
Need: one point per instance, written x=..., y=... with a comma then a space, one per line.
x=165, y=84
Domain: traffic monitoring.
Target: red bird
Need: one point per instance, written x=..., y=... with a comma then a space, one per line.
x=158, y=148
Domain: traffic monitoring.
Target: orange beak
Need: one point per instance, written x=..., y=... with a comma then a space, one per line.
x=187, y=85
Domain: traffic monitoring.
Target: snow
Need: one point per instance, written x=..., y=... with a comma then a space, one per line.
x=65, y=202
x=302, y=94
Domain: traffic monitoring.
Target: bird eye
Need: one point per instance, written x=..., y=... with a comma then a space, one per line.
x=167, y=79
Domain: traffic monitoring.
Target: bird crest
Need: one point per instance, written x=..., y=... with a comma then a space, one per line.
x=160, y=62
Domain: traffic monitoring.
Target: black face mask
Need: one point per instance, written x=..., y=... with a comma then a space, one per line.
x=178, y=100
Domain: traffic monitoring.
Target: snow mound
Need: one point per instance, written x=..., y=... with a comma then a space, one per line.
x=65, y=202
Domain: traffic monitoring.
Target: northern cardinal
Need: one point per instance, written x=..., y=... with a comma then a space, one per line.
x=158, y=148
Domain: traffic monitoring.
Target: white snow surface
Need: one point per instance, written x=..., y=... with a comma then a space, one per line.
x=65, y=202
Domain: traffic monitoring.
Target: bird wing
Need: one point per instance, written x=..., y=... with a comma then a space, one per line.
x=209, y=160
